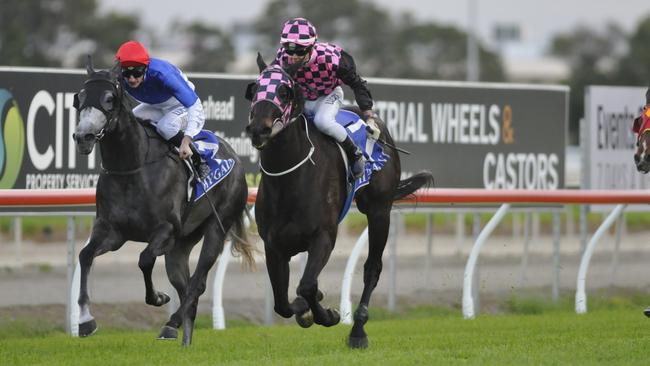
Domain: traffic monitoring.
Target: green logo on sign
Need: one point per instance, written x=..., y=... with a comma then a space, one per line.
x=12, y=140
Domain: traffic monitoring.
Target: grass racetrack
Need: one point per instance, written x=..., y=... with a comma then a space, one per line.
x=612, y=333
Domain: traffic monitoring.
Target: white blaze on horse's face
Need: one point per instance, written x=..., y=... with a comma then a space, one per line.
x=91, y=123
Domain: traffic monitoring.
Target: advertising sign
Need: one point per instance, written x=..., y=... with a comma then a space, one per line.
x=607, y=138
x=469, y=135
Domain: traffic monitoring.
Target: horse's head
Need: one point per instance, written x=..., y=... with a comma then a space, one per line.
x=98, y=105
x=276, y=101
x=642, y=128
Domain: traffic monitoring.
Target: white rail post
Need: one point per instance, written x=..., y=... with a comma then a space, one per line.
x=581, y=297
x=468, y=300
x=218, y=317
x=346, y=285
x=555, y=285
x=70, y=274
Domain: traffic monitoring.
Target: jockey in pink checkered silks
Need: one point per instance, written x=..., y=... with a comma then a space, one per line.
x=324, y=68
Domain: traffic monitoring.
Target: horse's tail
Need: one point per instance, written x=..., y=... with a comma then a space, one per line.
x=409, y=185
x=241, y=244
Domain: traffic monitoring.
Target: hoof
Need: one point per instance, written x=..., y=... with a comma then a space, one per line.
x=335, y=316
x=160, y=300
x=358, y=342
x=168, y=333
x=647, y=311
x=305, y=320
x=88, y=328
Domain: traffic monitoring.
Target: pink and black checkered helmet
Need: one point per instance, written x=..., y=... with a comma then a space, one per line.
x=298, y=31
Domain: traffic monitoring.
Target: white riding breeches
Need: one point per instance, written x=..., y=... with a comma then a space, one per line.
x=324, y=110
x=167, y=124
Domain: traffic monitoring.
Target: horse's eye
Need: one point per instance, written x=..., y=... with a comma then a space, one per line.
x=106, y=100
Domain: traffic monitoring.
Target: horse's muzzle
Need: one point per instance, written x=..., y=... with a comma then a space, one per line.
x=85, y=143
x=642, y=164
x=259, y=136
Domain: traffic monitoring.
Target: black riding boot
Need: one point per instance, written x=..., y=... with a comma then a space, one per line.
x=200, y=165
x=355, y=157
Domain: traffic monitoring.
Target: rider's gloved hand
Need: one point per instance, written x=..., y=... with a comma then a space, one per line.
x=185, y=151
x=372, y=128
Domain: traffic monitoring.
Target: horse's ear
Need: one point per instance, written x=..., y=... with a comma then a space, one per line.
x=116, y=70
x=251, y=88
x=285, y=93
x=89, y=65
x=260, y=62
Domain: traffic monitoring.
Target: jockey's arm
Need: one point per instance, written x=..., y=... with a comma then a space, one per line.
x=185, y=94
x=347, y=72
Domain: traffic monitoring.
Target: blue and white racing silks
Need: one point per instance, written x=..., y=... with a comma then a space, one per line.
x=165, y=87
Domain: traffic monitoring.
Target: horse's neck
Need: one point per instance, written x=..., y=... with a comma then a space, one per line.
x=125, y=147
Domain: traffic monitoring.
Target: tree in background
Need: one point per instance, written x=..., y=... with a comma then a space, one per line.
x=592, y=57
x=210, y=50
x=634, y=67
x=60, y=32
x=380, y=45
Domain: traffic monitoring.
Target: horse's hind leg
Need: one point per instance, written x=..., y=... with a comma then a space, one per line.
x=319, y=253
x=378, y=225
x=178, y=272
x=212, y=247
x=102, y=240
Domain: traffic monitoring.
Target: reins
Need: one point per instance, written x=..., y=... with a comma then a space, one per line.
x=308, y=157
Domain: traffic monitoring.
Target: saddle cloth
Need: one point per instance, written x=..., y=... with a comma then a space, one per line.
x=207, y=144
x=372, y=151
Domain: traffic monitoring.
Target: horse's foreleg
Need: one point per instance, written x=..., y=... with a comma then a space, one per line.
x=146, y=263
x=378, y=225
x=277, y=267
x=160, y=242
x=319, y=253
x=102, y=240
x=212, y=247
x=178, y=272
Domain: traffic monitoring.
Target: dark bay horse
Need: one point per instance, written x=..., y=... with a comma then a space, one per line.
x=142, y=196
x=300, y=197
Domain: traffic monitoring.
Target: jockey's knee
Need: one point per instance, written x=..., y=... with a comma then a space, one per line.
x=328, y=125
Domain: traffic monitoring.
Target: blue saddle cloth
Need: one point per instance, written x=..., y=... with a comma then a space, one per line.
x=207, y=144
x=373, y=152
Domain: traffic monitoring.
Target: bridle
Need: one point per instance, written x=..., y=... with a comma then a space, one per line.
x=95, y=102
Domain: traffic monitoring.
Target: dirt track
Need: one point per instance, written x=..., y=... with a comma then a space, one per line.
x=116, y=279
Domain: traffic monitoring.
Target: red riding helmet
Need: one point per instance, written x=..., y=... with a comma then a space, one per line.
x=132, y=53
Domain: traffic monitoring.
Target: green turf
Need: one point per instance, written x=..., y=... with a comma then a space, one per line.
x=616, y=335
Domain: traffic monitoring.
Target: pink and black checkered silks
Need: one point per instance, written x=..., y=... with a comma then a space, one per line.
x=267, y=89
x=320, y=73
x=298, y=31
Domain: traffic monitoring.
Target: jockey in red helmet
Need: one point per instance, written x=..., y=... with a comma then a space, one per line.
x=324, y=68
x=167, y=98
